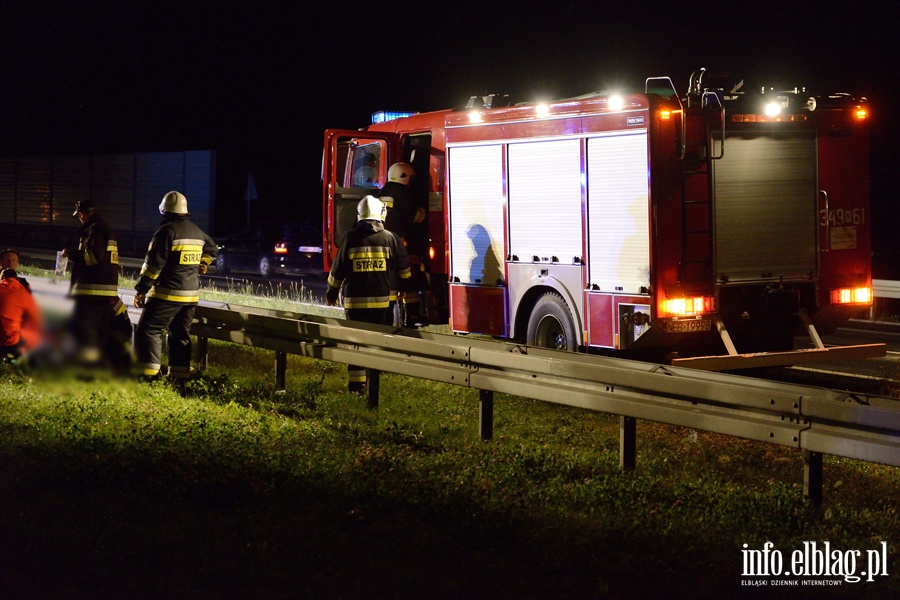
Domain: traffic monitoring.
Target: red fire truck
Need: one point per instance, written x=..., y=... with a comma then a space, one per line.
x=655, y=225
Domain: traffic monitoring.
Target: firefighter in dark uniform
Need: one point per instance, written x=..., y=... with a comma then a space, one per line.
x=100, y=324
x=169, y=289
x=369, y=268
x=406, y=216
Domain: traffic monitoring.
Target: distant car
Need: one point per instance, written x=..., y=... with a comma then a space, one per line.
x=270, y=248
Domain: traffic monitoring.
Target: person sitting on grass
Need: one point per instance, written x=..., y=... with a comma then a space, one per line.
x=20, y=319
x=9, y=259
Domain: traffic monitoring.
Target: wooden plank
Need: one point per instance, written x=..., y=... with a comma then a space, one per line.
x=782, y=359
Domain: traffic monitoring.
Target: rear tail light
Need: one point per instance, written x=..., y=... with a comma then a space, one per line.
x=281, y=248
x=860, y=295
x=687, y=307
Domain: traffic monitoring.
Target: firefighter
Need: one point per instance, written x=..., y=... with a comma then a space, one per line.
x=406, y=217
x=369, y=268
x=95, y=289
x=367, y=175
x=169, y=289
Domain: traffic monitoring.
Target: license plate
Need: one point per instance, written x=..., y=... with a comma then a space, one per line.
x=688, y=326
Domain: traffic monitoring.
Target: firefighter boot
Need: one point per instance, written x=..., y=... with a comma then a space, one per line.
x=357, y=379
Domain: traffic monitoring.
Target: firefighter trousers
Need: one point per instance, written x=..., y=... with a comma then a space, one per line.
x=415, y=311
x=161, y=316
x=90, y=327
x=118, y=344
x=379, y=316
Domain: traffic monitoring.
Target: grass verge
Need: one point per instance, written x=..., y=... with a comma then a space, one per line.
x=117, y=489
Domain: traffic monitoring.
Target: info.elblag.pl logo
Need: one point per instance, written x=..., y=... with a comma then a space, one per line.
x=813, y=564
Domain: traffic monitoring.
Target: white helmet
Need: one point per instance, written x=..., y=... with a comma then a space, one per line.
x=400, y=172
x=371, y=207
x=173, y=202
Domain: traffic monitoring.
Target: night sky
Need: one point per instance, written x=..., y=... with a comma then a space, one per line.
x=259, y=82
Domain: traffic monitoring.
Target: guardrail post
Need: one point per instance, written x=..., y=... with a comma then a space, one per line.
x=202, y=353
x=485, y=414
x=813, y=477
x=373, y=382
x=280, y=370
x=627, y=443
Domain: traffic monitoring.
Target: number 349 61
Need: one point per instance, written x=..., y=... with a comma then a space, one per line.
x=837, y=217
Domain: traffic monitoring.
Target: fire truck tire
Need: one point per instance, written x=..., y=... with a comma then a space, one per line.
x=265, y=267
x=221, y=264
x=550, y=324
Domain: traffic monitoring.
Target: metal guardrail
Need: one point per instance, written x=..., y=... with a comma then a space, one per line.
x=816, y=420
x=883, y=288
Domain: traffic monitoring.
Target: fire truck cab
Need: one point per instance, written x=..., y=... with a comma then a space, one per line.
x=653, y=225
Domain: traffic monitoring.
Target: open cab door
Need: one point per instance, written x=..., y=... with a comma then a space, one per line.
x=354, y=164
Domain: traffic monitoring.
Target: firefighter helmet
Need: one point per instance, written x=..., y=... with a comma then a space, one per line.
x=371, y=207
x=400, y=172
x=173, y=202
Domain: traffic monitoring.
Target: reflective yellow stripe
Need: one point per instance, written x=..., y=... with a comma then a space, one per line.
x=189, y=243
x=153, y=293
x=113, y=248
x=190, y=251
x=170, y=292
x=369, y=253
x=148, y=272
x=373, y=302
x=146, y=369
x=87, y=289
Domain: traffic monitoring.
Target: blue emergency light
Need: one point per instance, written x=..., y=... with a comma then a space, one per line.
x=389, y=115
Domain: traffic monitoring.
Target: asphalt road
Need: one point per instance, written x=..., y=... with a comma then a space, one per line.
x=857, y=332
x=313, y=283
x=56, y=306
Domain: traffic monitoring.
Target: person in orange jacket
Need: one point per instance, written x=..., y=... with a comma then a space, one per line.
x=20, y=319
x=9, y=259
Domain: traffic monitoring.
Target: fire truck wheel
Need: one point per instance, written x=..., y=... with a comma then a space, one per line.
x=221, y=264
x=550, y=324
x=265, y=267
